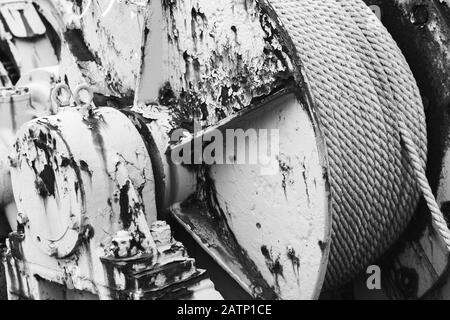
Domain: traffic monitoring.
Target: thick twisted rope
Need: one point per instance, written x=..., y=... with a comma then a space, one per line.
x=438, y=218
x=359, y=82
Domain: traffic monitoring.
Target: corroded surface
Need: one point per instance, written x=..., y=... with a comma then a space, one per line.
x=87, y=221
x=102, y=52
x=270, y=232
x=209, y=59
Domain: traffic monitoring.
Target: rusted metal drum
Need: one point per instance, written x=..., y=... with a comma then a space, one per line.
x=73, y=171
x=85, y=190
x=340, y=156
x=265, y=222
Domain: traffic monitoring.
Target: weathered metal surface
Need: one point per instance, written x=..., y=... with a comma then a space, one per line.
x=271, y=231
x=210, y=59
x=69, y=166
x=39, y=83
x=102, y=52
x=28, y=41
x=281, y=218
x=207, y=61
x=172, y=275
x=169, y=273
x=22, y=20
x=212, y=62
x=84, y=185
x=15, y=108
x=29, y=100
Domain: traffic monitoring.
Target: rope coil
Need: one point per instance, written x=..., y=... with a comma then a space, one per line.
x=438, y=218
x=360, y=83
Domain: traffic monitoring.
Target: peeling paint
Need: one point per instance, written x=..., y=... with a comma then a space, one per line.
x=219, y=59
x=104, y=53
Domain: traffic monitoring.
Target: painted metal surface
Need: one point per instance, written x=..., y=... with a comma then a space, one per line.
x=282, y=218
x=19, y=105
x=23, y=31
x=102, y=52
x=204, y=61
x=22, y=20
x=269, y=232
x=80, y=164
x=167, y=274
x=84, y=185
x=210, y=59
x=212, y=62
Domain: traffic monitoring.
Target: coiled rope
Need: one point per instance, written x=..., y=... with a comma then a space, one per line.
x=438, y=218
x=372, y=118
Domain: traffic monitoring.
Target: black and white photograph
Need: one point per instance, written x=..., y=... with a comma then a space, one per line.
x=228, y=156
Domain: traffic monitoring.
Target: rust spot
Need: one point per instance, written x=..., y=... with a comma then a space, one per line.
x=295, y=260
x=46, y=184
x=274, y=265
x=185, y=109
x=323, y=245
x=286, y=171
x=85, y=167
x=94, y=123
x=125, y=210
x=78, y=47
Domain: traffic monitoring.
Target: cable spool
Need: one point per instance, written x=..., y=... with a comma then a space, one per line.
x=362, y=90
x=364, y=118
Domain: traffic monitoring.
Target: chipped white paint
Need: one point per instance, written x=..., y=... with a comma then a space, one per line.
x=286, y=213
x=224, y=53
x=115, y=48
x=23, y=283
x=85, y=188
x=91, y=162
x=179, y=182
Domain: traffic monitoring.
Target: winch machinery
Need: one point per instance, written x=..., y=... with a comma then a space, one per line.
x=98, y=192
